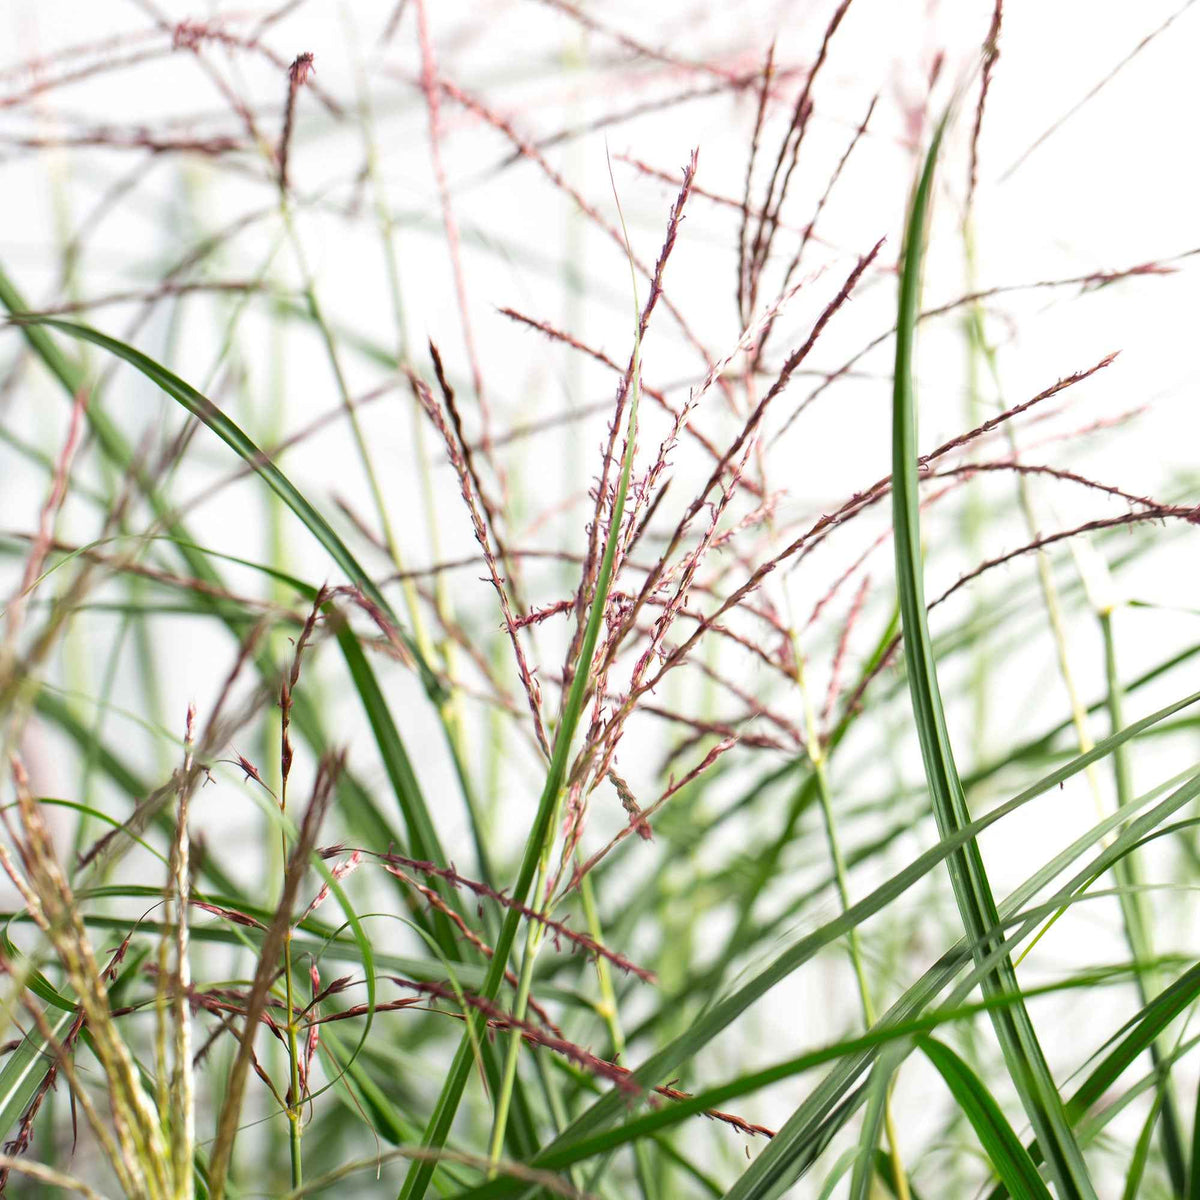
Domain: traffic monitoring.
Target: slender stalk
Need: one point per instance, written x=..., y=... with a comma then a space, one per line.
x=539, y=842
x=533, y=942
x=973, y=509
x=447, y=712
x=535, y=931
x=1135, y=923
x=610, y=1013
x=981, y=348
x=449, y=709
x=816, y=756
x=295, y=1105
x=294, y=1101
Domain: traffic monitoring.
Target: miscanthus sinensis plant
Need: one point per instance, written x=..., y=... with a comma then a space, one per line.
x=501, y=695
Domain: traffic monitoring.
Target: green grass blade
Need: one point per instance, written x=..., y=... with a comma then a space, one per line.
x=1136, y=1040
x=1137, y=919
x=863, y=1174
x=25, y=1069
x=391, y=748
x=1193, y=1188
x=1014, y=1029
x=396, y=761
x=583, y=1138
x=1141, y=1150
x=423, y=839
x=204, y=410
x=417, y=1180
x=72, y=378
x=1001, y=1144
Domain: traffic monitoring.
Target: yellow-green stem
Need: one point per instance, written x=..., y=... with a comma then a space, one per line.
x=534, y=931
x=611, y=1017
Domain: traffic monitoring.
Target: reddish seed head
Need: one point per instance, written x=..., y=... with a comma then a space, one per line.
x=298, y=72
x=188, y=35
x=251, y=770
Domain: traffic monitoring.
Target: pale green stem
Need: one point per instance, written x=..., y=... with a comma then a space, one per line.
x=183, y=1095
x=448, y=706
x=296, y=1105
x=541, y=838
x=1137, y=921
x=610, y=1014
x=450, y=723
x=534, y=932
x=1134, y=922
x=973, y=509
x=816, y=756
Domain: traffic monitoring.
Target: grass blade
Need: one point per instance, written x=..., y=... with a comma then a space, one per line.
x=877, y=1097
x=1137, y=920
x=25, y=1069
x=417, y=1180
x=1138, y=1035
x=999, y=1141
x=583, y=1138
x=1193, y=1188
x=204, y=410
x=416, y=812
x=1141, y=1151
x=1014, y=1029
